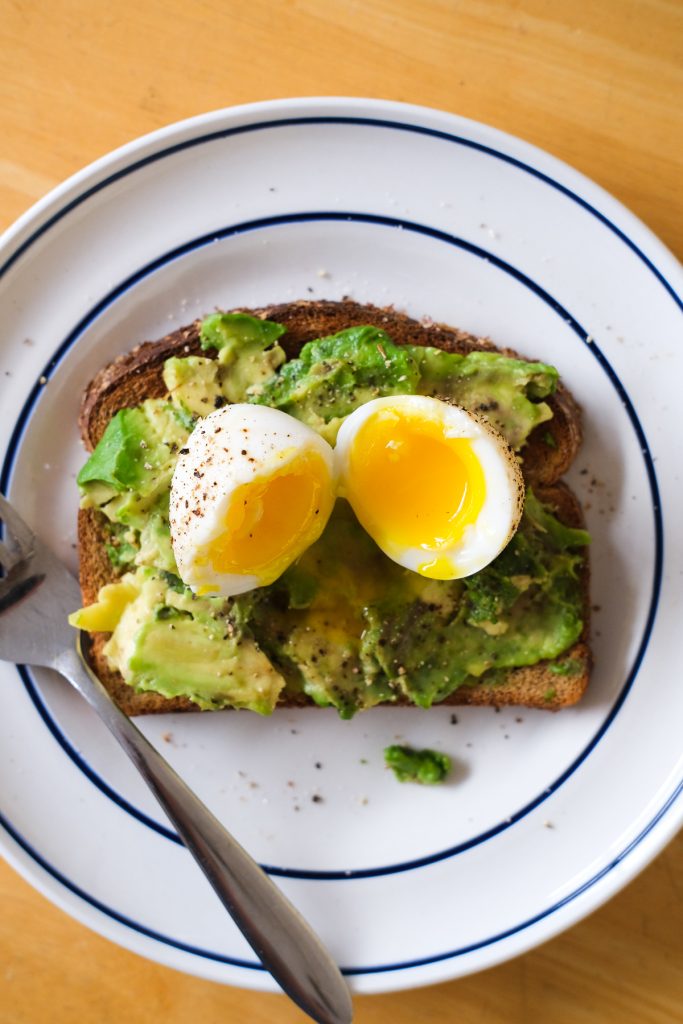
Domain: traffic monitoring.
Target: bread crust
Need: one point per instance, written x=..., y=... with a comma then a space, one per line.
x=137, y=375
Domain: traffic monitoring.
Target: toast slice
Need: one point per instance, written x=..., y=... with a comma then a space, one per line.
x=137, y=375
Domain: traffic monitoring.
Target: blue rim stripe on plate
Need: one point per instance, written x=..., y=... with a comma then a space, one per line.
x=452, y=139
x=395, y=224
x=349, y=971
x=371, y=122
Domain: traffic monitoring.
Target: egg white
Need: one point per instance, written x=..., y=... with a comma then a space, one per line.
x=235, y=445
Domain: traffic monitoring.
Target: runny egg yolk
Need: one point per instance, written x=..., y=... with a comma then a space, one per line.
x=413, y=486
x=271, y=519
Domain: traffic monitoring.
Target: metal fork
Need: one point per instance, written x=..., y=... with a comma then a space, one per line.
x=37, y=593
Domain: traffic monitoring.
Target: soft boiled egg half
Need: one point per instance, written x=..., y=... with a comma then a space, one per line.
x=252, y=489
x=439, y=491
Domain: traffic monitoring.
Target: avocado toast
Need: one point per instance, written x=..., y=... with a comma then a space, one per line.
x=327, y=633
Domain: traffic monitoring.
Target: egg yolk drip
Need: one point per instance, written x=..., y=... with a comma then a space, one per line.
x=413, y=486
x=272, y=519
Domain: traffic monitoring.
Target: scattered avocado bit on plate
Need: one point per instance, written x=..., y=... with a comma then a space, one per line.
x=428, y=767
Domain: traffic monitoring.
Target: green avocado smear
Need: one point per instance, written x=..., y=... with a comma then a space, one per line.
x=345, y=626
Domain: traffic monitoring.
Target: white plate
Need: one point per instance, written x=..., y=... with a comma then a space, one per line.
x=547, y=815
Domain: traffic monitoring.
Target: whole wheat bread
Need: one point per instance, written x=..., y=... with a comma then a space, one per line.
x=138, y=375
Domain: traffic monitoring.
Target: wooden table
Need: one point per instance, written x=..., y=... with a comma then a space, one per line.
x=598, y=83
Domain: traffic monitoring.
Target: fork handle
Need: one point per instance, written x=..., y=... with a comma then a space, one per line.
x=286, y=945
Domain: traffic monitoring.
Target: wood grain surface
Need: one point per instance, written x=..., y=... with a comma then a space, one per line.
x=599, y=83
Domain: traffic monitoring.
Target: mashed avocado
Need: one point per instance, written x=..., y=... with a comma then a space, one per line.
x=344, y=626
x=335, y=375
x=351, y=628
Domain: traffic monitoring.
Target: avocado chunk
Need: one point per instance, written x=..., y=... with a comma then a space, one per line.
x=155, y=547
x=193, y=384
x=121, y=545
x=506, y=392
x=333, y=672
x=428, y=767
x=248, y=353
x=104, y=615
x=231, y=333
x=335, y=375
x=149, y=545
x=128, y=475
x=118, y=459
x=165, y=639
x=184, y=657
